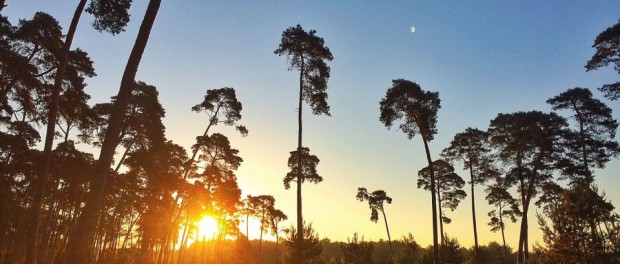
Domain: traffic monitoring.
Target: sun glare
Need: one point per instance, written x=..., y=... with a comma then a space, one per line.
x=207, y=228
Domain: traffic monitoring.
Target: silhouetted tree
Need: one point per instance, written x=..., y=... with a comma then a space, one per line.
x=263, y=204
x=526, y=143
x=448, y=186
x=567, y=228
x=307, y=53
x=221, y=106
x=108, y=21
x=274, y=217
x=375, y=202
x=417, y=111
x=357, y=251
x=451, y=251
x=310, y=247
x=505, y=206
x=472, y=147
x=607, y=45
x=81, y=237
x=411, y=253
x=591, y=143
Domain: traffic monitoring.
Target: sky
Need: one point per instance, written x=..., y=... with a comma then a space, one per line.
x=483, y=57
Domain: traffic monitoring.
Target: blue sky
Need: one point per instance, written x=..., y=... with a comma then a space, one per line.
x=484, y=58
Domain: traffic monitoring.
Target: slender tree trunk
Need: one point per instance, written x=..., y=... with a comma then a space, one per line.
x=520, y=258
x=260, y=242
x=387, y=229
x=501, y=225
x=300, y=177
x=436, y=258
x=247, y=225
x=443, y=234
x=523, y=248
x=120, y=162
x=81, y=239
x=473, y=213
x=35, y=211
x=277, y=242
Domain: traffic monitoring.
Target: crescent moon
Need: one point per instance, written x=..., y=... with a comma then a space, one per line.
x=412, y=29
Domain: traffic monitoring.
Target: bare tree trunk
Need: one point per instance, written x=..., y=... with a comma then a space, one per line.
x=35, y=210
x=501, y=224
x=300, y=221
x=81, y=239
x=473, y=214
x=436, y=258
x=260, y=242
x=443, y=234
x=388, y=230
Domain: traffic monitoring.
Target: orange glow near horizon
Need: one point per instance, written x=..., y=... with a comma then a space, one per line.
x=207, y=228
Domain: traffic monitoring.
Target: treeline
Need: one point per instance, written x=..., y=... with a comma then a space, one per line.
x=142, y=198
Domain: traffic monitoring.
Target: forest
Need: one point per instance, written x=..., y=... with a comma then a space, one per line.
x=142, y=198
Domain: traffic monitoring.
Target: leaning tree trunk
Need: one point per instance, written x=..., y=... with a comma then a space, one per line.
x=436, y=259
x=473, y=214
x=388, y=230
x=35, y=210
x=81, y=239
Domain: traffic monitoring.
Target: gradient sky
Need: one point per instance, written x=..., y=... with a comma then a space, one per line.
x=484, y=58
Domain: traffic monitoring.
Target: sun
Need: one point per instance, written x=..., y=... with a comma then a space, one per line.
x=207, y=228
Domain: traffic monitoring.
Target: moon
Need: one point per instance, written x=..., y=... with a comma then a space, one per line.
x=412, y=29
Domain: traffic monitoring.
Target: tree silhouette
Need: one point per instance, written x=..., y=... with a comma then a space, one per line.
x=591, y=144
x=264, y=204
x=274, y=217
x=63, y=60
x=448, y=186
x=607, y=45
x=310, y=247
x=472, y=147
x=417, y=111
x=357, y=251
x=307, y=53
x=505, y=206
x=526, y=143
x=221, y=106
x=375, y=202
x=567, y=229
x=81, y=238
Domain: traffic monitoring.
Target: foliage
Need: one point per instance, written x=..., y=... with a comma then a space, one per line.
x=568, y=233
x=416, y=108
x=222, y=106
x=307, y=171
x=307, y=53
x=590, y=144
x=449, y=186
x=357, y=251
x=111, y=16
x=607, y=45
x=375, y=201
x=411, y=252
x=308, y=247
